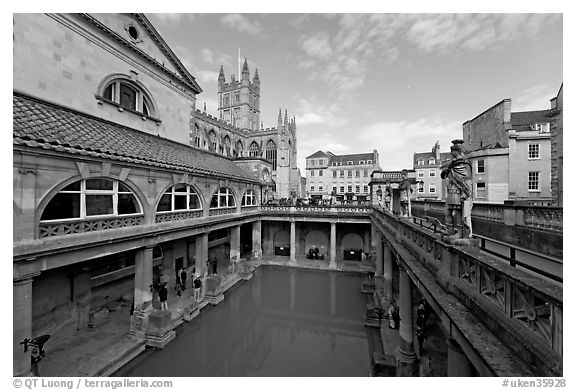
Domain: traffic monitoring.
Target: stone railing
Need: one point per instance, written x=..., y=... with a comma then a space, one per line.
x=320, y=209
x=50, y=229
x=540, y=217
x=177, y=216
x=249, y=208
x=222, y=211
x=523, y=310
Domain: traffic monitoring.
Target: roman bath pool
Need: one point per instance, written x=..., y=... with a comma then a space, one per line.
x=282, y=322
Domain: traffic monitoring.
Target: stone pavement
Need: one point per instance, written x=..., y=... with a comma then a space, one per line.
x=102, y=350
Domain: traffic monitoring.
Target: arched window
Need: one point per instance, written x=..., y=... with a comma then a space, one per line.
x=227, y=144
x=212, y=137
x=180, y=197
x=223, y=198
x=197, y=138
x=92, y=198
x=265, y=175
x=431, y=161
x=271, y=153
x=249, y=198
x=128, y=95
x=254, y=149
x=239, y=149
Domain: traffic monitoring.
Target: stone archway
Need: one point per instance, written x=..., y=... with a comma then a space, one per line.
x=281, y=242
x=352, y=244
x=317, y=239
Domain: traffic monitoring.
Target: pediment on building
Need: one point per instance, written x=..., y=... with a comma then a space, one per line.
x=136, y=33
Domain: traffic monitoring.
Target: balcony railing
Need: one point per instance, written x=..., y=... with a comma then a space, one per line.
x=50, y=229
x=525, y=299
x=335, y=209
x=539, y=217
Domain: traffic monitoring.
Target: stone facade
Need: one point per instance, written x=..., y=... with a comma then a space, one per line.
x=510, y=154
x=557, y=145
x=346, y=174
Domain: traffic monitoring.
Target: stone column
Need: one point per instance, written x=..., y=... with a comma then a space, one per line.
x=22, y=324
x=201, y=253
x=234, y=244
x=333, y=245
x=143, y=279
x=379, y=261
x=458, y=363
x=292, y=241
x=387, y=272
x=257, y=239
x=406, y=355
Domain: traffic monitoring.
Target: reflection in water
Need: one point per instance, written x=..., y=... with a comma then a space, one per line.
x=283, y=322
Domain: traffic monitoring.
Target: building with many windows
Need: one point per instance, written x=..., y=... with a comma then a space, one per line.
x=347, y=174
x=510, y=154
x=427, y=168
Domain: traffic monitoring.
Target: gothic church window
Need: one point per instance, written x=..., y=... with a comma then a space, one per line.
x=271, y=153
x=254, y=150
x=239, y=149
x=212, y=137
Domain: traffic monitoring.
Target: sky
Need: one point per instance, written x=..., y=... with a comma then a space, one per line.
x=396, y=83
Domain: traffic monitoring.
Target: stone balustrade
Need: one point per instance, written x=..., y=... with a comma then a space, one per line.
x=539, y=217
x=523, y=310
x=50, y=229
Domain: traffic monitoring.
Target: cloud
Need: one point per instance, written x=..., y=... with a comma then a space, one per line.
x=317, y=45
x=207, y=56
x=169, y=18
x=449, y=33
x=241, y=23
x=206, y=76
x=534, y=98
x=398, y=141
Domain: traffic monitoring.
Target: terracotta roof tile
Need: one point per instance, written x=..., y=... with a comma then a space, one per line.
x=39, y=124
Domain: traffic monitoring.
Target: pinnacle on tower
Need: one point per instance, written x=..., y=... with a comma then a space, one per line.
x=221, y=78
x=245, y=71
x=256, y=77
x=279, y=118
x=286, y=117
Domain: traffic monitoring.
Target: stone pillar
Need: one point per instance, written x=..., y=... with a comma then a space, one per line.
x=406, y=355
x=332, y=245
x=292, y=241
x=332, y=276
x=22, y=324
x=257, y=239
x=387, y=272
x=458, y=363
x=379, y=260
x=235, y=244
x=143, y=279
x=201, y=254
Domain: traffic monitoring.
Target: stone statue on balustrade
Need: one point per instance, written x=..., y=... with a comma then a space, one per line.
x=388, y=196
x=405, y=187
x=379, y=196
x=458, y=212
